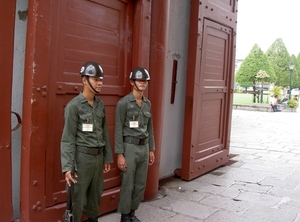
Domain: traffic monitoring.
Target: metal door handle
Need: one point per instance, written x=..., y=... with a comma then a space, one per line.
x=19, y=121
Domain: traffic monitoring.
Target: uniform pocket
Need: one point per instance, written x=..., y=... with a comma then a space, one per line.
x=132, y=115
x=146, y=116
x=85, y=118
x=99, y=117
x=100, y=114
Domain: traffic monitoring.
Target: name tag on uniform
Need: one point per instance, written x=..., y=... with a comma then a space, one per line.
x=133, y=124
x=86, y=127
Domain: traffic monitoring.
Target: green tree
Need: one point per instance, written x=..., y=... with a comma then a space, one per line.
x=298, y=58
x=298, y=69
x=296, y=72
x=280, y=59
x=253, y=63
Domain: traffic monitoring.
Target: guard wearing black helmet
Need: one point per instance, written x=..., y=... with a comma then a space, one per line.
x=139, y=74
x=85, y=140
x=134, y=143
x=94, y=70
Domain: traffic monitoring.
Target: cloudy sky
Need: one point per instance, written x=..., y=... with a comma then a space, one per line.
x=263, y=21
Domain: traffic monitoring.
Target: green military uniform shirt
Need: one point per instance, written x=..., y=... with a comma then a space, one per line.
x=128, y=110
x=78, y=112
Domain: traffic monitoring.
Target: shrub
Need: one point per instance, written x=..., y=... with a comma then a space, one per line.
x=292, y=103
x=276, y=91
x=239, y=90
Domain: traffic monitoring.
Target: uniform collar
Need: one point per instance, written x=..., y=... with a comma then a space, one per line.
x=83, y=99
x=132, y=98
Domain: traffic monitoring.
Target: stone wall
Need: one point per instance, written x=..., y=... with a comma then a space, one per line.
x=261, y=107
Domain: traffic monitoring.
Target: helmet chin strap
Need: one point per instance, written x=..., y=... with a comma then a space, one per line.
x=136, y=86
x=88, y=80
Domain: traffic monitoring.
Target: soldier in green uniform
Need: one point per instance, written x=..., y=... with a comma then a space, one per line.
x=85, y=140
x=134, y=144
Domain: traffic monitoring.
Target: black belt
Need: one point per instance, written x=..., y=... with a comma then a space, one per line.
x=89, y=150
x=134, y=140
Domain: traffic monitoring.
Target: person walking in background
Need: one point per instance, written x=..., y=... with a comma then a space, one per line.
x=134, y=144
x=85, y=141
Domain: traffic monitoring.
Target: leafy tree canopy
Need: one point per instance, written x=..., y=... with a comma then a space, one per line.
x=296, y=71
x=280, y=59
x=253, y=63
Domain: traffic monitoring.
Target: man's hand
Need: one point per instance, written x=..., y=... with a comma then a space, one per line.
x=69, y=178
x=151, y=158
x=106, y=167
x=122, y=162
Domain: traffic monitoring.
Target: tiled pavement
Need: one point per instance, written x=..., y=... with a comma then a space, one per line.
x=260, y=183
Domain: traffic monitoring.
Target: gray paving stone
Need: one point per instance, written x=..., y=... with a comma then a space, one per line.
x=182, y=218
x=282, y=192
x=286, y=184
x=259, y=198
x=261, y=212
x=227, y=204
x=252, y=187
x=222, y=215
x=291, y=205
x=244, y=174
x=216, y=180
x=182, y=194
x=149, y=213
x=192, y=209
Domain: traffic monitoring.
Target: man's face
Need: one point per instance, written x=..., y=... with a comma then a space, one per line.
x=140, y=84
x=95, y=82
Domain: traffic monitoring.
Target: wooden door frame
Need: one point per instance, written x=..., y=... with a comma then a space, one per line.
x=158, y=56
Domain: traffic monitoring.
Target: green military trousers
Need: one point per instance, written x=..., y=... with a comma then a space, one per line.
x=134, y=178
x=89, y=186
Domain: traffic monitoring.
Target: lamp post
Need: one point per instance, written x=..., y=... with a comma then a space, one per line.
x=291, y=65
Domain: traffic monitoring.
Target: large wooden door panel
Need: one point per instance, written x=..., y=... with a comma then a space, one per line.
x=207, y=105
x=210, y=119
x=99, y=30
x=221, y=11
x=85, y=31
x=216, y=43
x=61, y=36
x=7, y=16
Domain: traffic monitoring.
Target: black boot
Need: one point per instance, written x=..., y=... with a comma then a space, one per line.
x=92, y=219
x=133, y=218
x=125, y=218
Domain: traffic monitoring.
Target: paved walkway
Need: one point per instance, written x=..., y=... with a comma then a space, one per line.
x=261, y=183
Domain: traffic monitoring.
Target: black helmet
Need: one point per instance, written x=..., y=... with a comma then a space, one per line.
x=139, y=74
x=92, y=69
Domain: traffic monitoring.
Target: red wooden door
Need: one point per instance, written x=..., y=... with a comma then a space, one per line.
x=7, y=14
x=85, y=31
x=209, y=88
x=61, y=36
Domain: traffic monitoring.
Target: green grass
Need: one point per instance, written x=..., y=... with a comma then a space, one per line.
x=247, y=99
